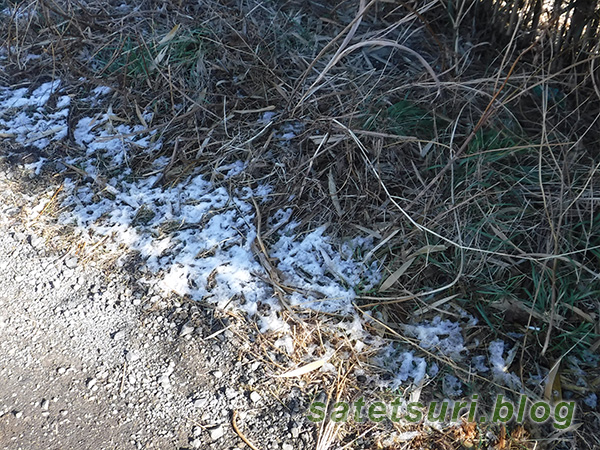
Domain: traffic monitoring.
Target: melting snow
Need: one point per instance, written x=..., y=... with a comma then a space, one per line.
x=500, y=365
x=24, y=118
x=443, y=335
x=591, y=400
x=197, y=237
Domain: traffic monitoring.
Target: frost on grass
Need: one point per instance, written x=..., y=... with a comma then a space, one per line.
x=25, y=118
x=311, y=263
x=438, y=336
x=452, y=386
x=402, y=365
x=207, y=254
x=500, y=365
x=443, y=335
x=591, y=400
x=196, y=237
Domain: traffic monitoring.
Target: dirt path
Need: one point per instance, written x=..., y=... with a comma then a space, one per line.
x=96, y=360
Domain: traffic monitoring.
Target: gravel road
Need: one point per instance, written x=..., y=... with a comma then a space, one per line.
x=92, y=358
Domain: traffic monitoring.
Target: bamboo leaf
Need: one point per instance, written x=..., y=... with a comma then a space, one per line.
x=304, y=369
x=389, y=281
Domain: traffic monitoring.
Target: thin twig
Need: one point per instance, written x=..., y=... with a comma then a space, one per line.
x=239, y=433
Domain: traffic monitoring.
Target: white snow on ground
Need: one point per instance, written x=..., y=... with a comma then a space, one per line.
x=403, y=364
x=23, y=117
x=197, y=237
x=591, y=400
x=442, y=335
x=500, y=364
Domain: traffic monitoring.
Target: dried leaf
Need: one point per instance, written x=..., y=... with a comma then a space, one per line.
x=369, y=255
x=331, y=266
x=158, y=59
x=434, y=305
x=389, y=281
x=140, y=116
x=333, y=194
x=169, y=36
x=371, y=233
x=553, y=390
x=425, y=149
x=585, y=316
x=429, y=249
x=304, y=369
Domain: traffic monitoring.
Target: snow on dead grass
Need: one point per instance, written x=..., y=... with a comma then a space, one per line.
x=196, y=240
x=317, y=272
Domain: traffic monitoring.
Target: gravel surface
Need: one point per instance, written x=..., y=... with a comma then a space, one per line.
x=99, y=359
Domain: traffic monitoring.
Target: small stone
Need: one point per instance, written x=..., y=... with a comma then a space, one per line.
x=230, y=393
x=255, y=397
x=63, y=412
x=217, y=433
x=37, y=242
x=90, y=383
x=44, y=404
x=132, y=355
x=18, y=414
x=200, y=403
x=119, y=335
x=71, y=263
x=196, y=443
x=186, y=329
x=287, y=447
x=61, y=370
x=306, y=437
x=295, y=432
x=217, y=374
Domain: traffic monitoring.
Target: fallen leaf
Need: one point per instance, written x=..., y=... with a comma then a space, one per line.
x=304, y=369
x=553, y=390
x=389, y=281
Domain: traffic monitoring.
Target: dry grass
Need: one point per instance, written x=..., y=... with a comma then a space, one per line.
x=474, y=169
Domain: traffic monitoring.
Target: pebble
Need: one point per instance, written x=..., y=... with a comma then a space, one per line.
x=37, y=242
x=230, y=393
x=200, y=403
x=255, y=397
x=44, y=404
x=71, y=263
x=217, y=433
x=132, y=355
x=119, y=335
x=18, y=414
x=217, y=374
x=287, y=447
x=186, y=329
